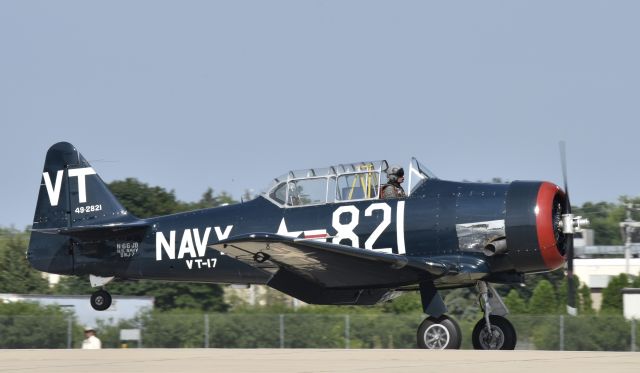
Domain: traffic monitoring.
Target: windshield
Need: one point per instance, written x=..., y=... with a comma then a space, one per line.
x=418, y=174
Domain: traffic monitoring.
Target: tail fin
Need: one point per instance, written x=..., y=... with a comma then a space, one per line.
x=73, y=202
x=72, y=194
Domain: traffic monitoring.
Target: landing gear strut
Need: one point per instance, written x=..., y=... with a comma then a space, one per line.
x=493, y=332
x=100, y=300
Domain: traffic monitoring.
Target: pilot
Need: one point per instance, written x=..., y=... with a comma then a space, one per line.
x=393, y=189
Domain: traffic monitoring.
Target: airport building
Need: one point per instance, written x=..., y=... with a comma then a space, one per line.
x=597, y=265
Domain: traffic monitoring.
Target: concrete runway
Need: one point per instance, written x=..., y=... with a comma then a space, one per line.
x=309, y=360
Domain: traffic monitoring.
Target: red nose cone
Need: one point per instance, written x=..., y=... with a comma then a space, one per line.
x=547, y=198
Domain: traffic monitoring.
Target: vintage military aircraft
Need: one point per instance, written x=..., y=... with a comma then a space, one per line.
x=321, y=235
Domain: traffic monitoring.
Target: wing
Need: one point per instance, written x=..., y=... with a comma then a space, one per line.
x=331, y=265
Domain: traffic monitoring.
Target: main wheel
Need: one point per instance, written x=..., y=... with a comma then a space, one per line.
x=502, y=335
x=439, y=333
x=100, y=300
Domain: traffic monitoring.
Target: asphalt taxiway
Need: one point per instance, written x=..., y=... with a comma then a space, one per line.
x=311, y=360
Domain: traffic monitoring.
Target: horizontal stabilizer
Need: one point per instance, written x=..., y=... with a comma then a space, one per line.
x=97, y=231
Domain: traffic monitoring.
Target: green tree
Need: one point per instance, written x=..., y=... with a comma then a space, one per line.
x=248, y=195
x=407, y=303
x=543, y=301
x=171, y=329
x=584, y=333
x=16, y=274
x=612, y=294
x=244, y=330
x=176, y=295
x=145, y=201
x=531, y=282
x=209, y=200
x=562, y=293
x=462, y=303
x=29, y=325
x=605, y=217
x=514, y=303
x=586, y=303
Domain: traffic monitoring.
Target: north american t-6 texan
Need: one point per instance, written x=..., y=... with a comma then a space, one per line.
x=321, y=235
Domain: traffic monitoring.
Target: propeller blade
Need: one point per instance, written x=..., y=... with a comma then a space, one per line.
x=571, y=291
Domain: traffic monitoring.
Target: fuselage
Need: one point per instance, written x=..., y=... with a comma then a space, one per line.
x=434, y=222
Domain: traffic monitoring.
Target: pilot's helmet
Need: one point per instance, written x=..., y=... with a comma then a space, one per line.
x=394, y=173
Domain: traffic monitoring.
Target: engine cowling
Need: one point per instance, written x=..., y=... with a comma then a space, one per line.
x=533, y=226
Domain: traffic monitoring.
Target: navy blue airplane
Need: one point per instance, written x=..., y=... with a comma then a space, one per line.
x=321, y=235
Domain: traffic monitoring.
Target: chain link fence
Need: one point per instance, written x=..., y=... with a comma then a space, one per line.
x=303, y=330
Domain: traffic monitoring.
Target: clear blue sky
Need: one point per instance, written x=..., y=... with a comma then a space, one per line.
x=195, y=94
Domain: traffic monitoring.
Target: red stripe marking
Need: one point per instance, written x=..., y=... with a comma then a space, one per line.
x=544, y=225
x=322, y=235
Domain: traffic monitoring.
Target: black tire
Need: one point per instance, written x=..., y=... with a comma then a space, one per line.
x=100, y=300
x=439, y=334
x=505, y=337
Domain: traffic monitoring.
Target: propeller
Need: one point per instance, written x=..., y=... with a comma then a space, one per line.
x=568, y=229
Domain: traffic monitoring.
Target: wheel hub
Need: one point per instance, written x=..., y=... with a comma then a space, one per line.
x=493, y=339
x=436, y=337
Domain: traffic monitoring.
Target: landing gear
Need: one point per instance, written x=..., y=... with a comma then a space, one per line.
x=493, y=332
x=439, y=333
x=100, y=300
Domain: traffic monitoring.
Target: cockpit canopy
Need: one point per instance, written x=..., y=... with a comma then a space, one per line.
x=344, y=182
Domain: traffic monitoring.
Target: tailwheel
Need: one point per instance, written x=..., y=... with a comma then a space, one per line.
x=100, y=300
x=501, y=335
x=439, y=333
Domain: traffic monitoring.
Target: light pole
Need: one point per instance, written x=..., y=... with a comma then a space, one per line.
x=628, y=227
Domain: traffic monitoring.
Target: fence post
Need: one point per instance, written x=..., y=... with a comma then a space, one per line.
x=561, y=332
x=141, y=330
x=633, y=335
x=346, y=331
x=281, y=331
x=206, y=330
x=69, y=333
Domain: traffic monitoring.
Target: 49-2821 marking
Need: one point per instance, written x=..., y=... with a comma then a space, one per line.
x=89, y=208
